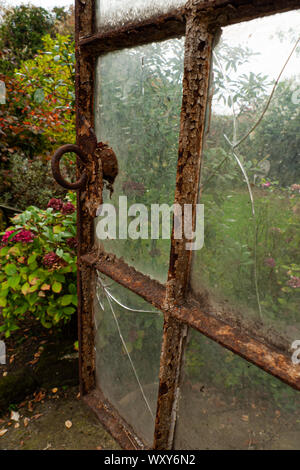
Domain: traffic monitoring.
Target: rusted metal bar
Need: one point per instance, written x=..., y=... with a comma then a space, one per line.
x=197, y=71
x=153, y=29
x=157, y=28
x=272, y=360
x=150, y=290
x=112, y=421
x=226, y=12
x=84, y=17
x=269, y=357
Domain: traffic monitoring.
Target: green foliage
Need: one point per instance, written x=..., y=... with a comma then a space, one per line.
x=278, y=136
x=38, y=267
x=230, y=376
x=21, y=31
x=50, y=80
x=39, y=113
x=25, y=183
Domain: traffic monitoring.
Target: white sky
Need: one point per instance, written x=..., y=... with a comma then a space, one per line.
x=49, y=4
x=258, y=35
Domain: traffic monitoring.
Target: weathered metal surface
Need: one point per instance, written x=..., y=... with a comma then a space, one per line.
x=174, y=337
x=268, y=357
x=201, y=20
x=55, y=161
x=84, y=18
x=215, y=12
x=197, y=71
x=112, y=422
x=110, y=165
x=127, y=276
x=154, y=29
x=226, y=12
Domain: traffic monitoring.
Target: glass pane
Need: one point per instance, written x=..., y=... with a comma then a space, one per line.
x=249, y=268
x=128, y=346
x=228, y=404
x=138, y=102
x=119, y=12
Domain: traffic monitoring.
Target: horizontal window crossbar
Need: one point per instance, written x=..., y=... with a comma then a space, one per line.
x=266, y=356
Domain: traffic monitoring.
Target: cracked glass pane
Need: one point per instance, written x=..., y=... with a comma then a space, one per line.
x=249, y=268
x=137, y=112
x=128, y=345
x=120, y=12
x=228, y=404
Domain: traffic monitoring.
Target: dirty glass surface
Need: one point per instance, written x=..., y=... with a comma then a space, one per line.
x=249, y=268
x=120, y=12
x=228, y=404
x=128, y=345
x=137, y=110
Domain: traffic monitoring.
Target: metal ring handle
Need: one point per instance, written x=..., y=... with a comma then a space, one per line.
x=56, y=170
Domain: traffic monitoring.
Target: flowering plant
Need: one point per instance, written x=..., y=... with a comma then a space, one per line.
x=38, y=266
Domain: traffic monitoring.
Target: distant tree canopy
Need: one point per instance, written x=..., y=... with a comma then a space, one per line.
x=21, y=32
x=22, y=29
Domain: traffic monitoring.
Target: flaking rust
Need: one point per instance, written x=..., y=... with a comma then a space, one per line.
x=197, y=71
x=84, y=24
x=201, y=20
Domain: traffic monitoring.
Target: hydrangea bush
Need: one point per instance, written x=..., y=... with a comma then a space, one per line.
x=38, y=266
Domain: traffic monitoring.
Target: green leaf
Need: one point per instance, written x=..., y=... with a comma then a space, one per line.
x=57, y=287
x=4, y=251
x=32, y=258
x=66, y=300
x=72, y=289
x=10, y=269
x=3, y=302
x=69, y=310
x=13, y=282
x=25, y=288
x=39, y=95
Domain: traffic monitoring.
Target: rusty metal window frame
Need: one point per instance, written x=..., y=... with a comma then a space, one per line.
x=199, y=21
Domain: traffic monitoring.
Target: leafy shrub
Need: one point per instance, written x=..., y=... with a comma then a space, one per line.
x=38, y=266
x=21, y=31
x=25, y=187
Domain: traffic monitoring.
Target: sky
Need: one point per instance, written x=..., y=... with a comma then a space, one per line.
x=49, y=4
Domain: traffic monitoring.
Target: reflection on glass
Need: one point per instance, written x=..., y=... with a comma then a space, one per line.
x=137, y=103
x=250, y=182
x=118, y=12
x=228, y=404
x=128, y=345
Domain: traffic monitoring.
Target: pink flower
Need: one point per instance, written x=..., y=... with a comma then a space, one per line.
x=295, y=187
x=24, y=236
x=51, y=260
x=72, y=242
x=55, y=204
x=68, y=208
x=270, y=262
x=266, y=185
x=6, y=236
x=294, y=282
